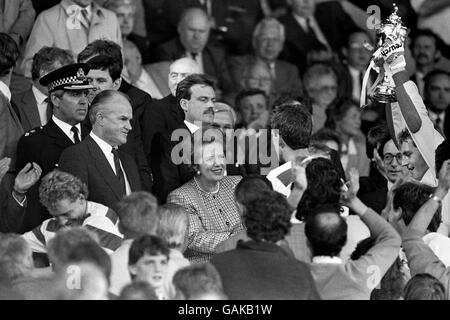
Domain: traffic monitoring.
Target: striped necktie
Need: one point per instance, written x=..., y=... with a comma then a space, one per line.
x=85, y=21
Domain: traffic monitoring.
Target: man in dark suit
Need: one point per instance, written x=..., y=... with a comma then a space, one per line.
x=68, y=91
x=10, y=127
x=108, y=172
x=33, y=106
x=309, y=25
x=140, y=100
x=268, y=40
x=437, y=99
x=193, y=30
x=160, y=119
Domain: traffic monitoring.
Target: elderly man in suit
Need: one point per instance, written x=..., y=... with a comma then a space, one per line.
x=108, y=172
x=193, y=29
x=33, y=104
x=268, y=41
x=68, y=92
x=71, y=24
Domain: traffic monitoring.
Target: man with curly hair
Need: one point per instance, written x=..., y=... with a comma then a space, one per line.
x=260, y=269
x=65, y=197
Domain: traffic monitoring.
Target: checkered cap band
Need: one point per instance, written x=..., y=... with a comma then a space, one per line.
x=64, y=81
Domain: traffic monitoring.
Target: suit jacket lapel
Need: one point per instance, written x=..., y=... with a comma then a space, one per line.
x=128, y=164
x=30, y=109
x=103, y=167
x=59, y=137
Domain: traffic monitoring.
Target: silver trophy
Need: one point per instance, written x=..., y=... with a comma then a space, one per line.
x=388, y=31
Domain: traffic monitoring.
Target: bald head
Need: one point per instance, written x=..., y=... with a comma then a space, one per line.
x=179, y=70
x=193, y=29
x=110, y=115
x=326, y=231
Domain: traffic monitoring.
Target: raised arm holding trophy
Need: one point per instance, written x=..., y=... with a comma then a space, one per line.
x=391, y=35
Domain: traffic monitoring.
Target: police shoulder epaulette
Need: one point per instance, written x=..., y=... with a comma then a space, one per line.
x=33, y=131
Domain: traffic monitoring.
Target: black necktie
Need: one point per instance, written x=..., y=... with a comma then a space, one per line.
x=194, y=56
x=119, y=172
x=75, y=134
x=437, y=125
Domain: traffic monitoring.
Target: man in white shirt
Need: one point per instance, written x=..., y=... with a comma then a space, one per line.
x=33, y=104
x=108, y=172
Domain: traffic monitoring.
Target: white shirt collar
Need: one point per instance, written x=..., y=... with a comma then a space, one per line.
x=66, y=128
x=326, y=259
x=5, y=90
x=38, y=95
x=192, y=127
x=104, y=146
x=301, y=21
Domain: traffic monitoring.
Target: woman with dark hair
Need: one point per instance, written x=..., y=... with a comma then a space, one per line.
x=344, y=117
x=209, y=201
x=324, y=187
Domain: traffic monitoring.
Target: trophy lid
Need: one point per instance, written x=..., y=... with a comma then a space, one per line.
x=394, y=17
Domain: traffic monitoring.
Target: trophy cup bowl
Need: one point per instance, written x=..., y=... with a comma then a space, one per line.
x=388, y=30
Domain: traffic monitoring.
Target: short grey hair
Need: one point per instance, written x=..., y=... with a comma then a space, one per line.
x=266, y=22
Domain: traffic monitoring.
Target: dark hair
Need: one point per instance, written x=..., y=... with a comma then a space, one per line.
x=294, y=124
x=248, y=93
x=442, y=154
x=337, y=110
x=427, y=33
x=326, y=238
x=324, y=186
x=102, y=47
x=138, y=290
x=250, y=188
x=377, y=137
x=410, y=196
x=197, y=279
x=268, y=217
x=404, y=136
x=325, y=134
x=137, y=214
x=147, y=244
x=9, y=53
x=424, y=286
x=184, y=87
x=91, y=252
x=106, y=63
x=50, y=59
x=294, y=99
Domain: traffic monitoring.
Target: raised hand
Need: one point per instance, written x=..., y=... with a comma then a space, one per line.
x=27, y=177
x=4, y=167
x=351, y=187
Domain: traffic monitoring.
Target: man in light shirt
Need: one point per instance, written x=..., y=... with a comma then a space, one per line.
x=33, y=104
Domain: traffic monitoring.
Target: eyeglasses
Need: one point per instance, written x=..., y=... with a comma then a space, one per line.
x=389, y=157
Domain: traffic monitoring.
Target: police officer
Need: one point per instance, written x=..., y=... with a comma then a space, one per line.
x=68, y=97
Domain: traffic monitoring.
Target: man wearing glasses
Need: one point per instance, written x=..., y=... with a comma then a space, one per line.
x=391, y=168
